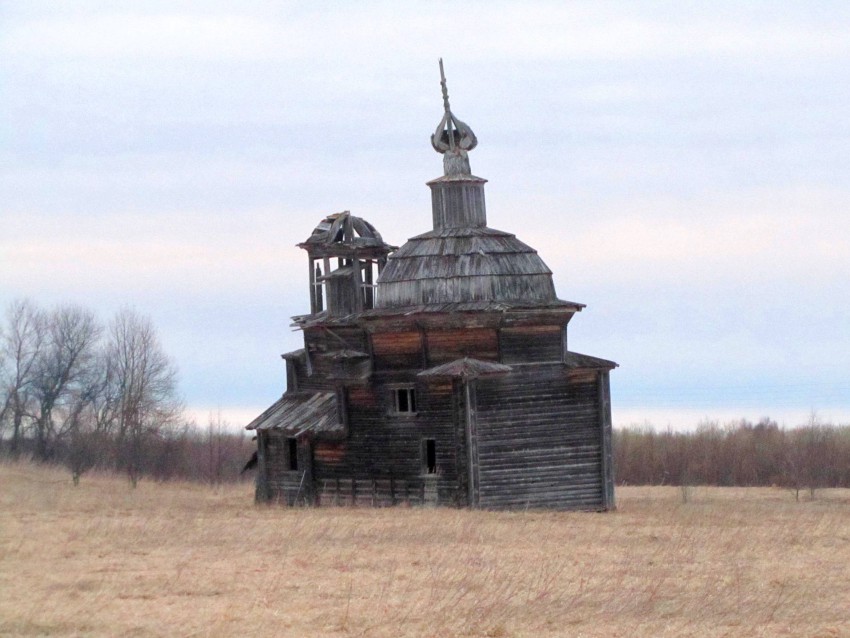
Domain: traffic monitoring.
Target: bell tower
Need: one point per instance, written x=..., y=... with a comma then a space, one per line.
x=345, y=254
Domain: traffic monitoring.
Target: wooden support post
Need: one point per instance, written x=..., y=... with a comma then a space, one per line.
x=356, y=285
x=471, y=442
x=312, y=286
x=604, y=405
x=262, y=491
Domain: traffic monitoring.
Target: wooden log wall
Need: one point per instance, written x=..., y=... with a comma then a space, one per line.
x=318, y=380
x=381, y=461
x=539, y=431
x=397, y=351
x=448, y=345
x=531, y=344
x=380, y=492
x=539, y=440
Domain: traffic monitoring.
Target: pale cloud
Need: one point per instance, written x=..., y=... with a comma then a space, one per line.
x=231, y=418
x=181, y=251
x=163, y=36
x=752, y=237
x=603, y=31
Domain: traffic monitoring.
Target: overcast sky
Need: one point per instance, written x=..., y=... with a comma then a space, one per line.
x=683, y=168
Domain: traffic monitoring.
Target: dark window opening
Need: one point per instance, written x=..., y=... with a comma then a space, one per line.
x=429, y=456
x=405, y=400
x=318, y=289
x=367, y=282
x=292, y=453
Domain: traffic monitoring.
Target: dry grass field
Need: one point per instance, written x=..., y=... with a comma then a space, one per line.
x=187, y=560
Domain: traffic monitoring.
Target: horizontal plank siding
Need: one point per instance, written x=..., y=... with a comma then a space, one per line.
x=315, y=376
x=538, y=440
x=397, y=351
x=531, y=344
x=448, y=345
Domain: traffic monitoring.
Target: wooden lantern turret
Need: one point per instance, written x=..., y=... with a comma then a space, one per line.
x=346, y=254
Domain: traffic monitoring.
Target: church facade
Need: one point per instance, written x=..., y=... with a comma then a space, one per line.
x=438, y=372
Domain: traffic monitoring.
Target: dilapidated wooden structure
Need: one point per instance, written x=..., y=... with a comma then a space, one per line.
x=438, y=372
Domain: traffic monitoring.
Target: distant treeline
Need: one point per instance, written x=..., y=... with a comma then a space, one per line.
x=187, y=452
x=742, y=454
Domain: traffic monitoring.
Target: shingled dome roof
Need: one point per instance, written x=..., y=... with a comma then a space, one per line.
x=453, y=265
x=462, y=260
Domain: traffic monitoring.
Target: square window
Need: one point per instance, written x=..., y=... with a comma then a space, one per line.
x=404, y=400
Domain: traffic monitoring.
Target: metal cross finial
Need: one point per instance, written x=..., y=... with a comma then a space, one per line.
x=445, y=89
x=452, y=138
x=447, y=118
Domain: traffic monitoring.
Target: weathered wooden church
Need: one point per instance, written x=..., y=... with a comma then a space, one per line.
x=438, y=372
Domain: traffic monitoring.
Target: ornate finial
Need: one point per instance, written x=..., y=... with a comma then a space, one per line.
x=452, y=138
x=445, y=89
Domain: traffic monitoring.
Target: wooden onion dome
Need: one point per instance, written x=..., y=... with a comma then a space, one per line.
x=462, y=260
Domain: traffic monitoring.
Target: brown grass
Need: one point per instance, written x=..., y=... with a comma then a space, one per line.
x=187, y=560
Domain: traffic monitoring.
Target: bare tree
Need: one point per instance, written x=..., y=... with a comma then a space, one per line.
x=63, y=373
x=217, y=439
x=21, y=347
x=141, y=388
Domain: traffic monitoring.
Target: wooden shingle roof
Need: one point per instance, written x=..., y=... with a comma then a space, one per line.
x=297, y=413
x=457, y=265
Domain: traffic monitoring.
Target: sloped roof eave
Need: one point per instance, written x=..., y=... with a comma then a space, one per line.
x=298, y=413
x=577, y=360
x=465, y=368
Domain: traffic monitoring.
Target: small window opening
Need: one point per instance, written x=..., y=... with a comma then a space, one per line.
x=405, y=400
x=318, y=289
x=292, y=453
x=429, y=453
x=367, y=285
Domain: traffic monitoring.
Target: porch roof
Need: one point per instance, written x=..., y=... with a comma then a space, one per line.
x=297, y=413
